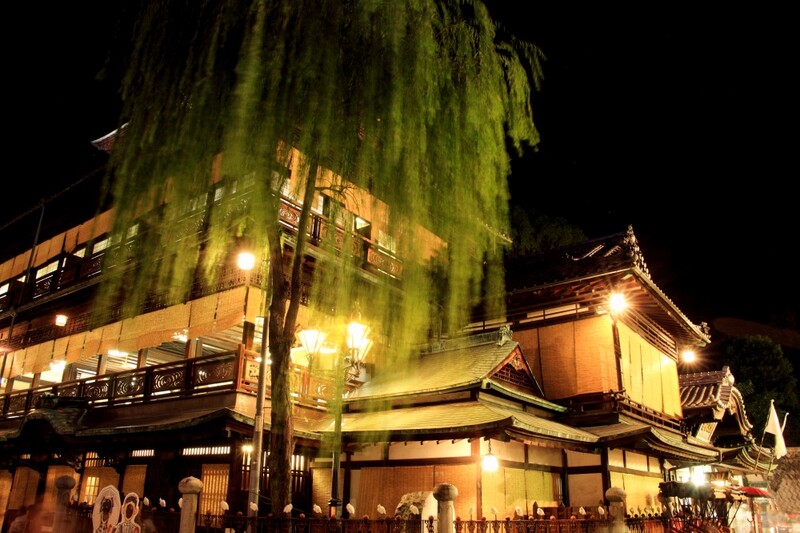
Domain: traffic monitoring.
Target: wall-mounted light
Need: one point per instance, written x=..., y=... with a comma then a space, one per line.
x=489, y=462
x=61, y=320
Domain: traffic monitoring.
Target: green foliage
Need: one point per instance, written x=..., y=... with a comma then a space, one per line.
x=763, y=373
x=413, y=101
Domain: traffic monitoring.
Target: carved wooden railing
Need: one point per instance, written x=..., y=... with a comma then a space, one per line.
x=200, y=376
x=619, y=402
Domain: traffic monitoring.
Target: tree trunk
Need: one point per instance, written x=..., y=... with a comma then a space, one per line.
x=282, y=320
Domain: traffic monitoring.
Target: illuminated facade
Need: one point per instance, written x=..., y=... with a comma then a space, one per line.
x=571, y=397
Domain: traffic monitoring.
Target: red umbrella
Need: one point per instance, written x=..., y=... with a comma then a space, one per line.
x=754, y=492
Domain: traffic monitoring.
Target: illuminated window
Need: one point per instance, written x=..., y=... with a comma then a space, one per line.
x=92, y=459
x=386, y=241
x=215, y=488
x=247, y=455
x=319, y=204
x=143, y=453
x=90, y=489
x=101, y=245
x=133, y=231
x=199, y=202
x=362, y=227
x=207, y=450
x=47, y=269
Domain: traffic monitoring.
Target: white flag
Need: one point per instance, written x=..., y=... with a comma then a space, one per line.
x=774, y=427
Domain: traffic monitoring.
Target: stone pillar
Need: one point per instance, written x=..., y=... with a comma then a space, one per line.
x=616, y=498
x=445, y=494
x=64, y=485
x=190, y=488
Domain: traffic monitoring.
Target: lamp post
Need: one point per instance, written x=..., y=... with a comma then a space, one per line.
x=358, y=345
x=247, y=262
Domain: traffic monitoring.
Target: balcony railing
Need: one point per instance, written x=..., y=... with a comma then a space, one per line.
x=201, y=376
x=76, y=273
x=596, y=403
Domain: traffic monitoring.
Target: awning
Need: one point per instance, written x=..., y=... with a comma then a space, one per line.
x=754, y=492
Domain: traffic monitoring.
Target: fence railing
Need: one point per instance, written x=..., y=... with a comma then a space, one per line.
x=79, y=520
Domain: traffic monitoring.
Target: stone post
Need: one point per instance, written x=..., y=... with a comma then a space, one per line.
x=616, y=498
x=190, y=488
x=445, y=495
x=64, y=485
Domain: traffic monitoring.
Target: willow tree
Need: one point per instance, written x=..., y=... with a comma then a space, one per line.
x=418, y=102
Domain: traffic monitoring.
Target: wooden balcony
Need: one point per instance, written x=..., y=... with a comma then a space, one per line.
x=605, y=408
x=79, y=273
x=201, y=376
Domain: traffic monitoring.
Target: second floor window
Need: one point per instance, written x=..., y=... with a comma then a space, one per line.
x=47, y=269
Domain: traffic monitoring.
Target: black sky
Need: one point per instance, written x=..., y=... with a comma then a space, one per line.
x=677, y=120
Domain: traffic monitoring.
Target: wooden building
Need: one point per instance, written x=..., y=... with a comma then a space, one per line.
x=571, y=395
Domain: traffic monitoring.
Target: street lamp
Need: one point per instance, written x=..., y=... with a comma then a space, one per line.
x=246, y=261
x=358, y=345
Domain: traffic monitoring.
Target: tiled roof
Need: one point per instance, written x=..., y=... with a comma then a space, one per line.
x=447, y=370
x=438, y=372
x=706, y=389
x=587, y=258
x=452, y=420
x=674, y=446
x=712, y=396
x=107, y=141
x=584, y=274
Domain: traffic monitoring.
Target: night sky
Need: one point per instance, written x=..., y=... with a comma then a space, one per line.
x=678, y=121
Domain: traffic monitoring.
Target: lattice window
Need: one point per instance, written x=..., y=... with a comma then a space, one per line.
x=90, y=489
x=207, y=450
x=215, y=488
x=518, y=377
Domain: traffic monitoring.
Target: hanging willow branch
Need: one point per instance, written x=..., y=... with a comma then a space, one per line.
x=413, y=101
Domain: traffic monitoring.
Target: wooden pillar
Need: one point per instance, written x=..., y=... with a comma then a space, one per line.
x=194, y=348
x=248, y=333
x=475, y=452
x=102, y=364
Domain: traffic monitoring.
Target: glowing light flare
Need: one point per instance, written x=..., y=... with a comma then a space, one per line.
x=61, y=320
x=688, y=356
x=617, y=302
x=357, y=340
x=246, y=261
x=699, y=476
x=311, y=340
